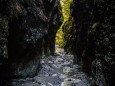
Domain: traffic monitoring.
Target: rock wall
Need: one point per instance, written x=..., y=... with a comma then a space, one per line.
x=53, y=13
x=22, y=33
x=94, y=34
x=24, y=30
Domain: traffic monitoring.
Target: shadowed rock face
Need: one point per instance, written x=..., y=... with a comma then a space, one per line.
x=25, y=37
x=53, y=13
x=94, y=46
x=26, y=24
x=3, y=40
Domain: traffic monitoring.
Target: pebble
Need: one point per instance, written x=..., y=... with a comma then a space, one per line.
x=55, y=75
x=50, y=62
x=42, y=62
x=62, y=76
x=56, y=71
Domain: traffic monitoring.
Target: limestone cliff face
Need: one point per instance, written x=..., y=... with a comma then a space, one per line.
x=3, y=39
x=24, y=25
x=94, y=34
x=53, y=12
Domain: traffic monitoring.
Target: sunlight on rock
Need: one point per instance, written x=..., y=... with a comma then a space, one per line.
x=42, y=62
x=76, y=80
x=59, y=50
x=57, y=71
x=42, y=85
x=56, y=66
x=70, y=82
x=66, y=83
x=66, y=63
x=62, y=76
x=67, y=70
x=49, y=84
x=54, y=75
x=50, y=62
x=59, y=59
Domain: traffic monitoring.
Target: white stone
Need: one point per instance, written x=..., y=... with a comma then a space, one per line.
x=59, y=59
x=50, y=62
x=66, y=63
x=57, y=66
x=43, y=85
x=50, y=84
x=67, y=70
x=42, y=62
x=54, y=75
x=62, y=76
x=73, y=80
x=66, y=83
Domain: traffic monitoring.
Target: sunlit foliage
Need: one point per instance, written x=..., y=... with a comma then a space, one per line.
x=65, y=6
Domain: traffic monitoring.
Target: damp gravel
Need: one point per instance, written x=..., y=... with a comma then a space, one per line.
x=56, y=70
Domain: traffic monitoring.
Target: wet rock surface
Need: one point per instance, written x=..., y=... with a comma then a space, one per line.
x=3, y=39
x=24, y=26
x=27, y=26
x=91, y=39
x=53, y=13
x=56, y=70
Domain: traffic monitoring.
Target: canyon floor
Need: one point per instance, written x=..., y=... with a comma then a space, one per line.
x=57, y=70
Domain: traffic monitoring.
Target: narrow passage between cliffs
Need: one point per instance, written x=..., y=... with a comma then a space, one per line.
x=56, y=70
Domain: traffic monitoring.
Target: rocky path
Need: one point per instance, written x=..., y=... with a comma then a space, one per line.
x=56, y=71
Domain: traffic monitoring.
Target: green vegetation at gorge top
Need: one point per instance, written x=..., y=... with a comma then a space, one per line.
x=65, y=5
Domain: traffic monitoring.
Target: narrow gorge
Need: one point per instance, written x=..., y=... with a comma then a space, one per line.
x=57, y=43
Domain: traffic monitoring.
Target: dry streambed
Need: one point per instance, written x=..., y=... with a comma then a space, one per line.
x=56, y=71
